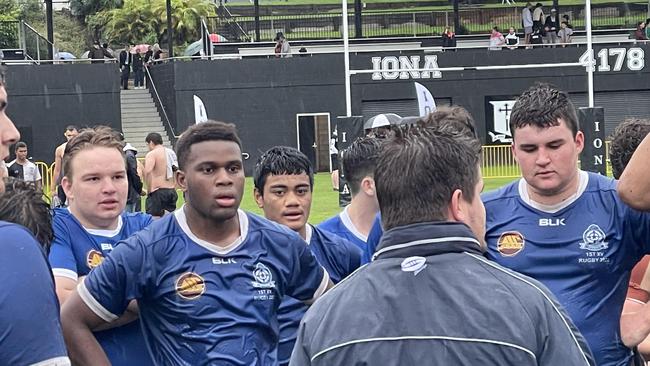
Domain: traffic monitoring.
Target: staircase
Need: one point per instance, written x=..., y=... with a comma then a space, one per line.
x=139, y=118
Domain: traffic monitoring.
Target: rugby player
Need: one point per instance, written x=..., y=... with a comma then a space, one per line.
x=284, y=182
x=208, y=278
x=566, y=227
x=634, y=186
x=90, y=228
x=29, y=311
x=635, y=320
x=360, y=217
x=58, y=195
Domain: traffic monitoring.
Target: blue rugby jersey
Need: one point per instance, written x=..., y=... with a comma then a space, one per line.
x=76, y=251
x=339, y=257
x=341, y=225
x=202, y=304
x=30, y=326
x=583, y=250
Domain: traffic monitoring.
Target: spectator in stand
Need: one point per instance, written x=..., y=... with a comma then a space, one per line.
x=639, y=33
x=512, y=39
x=138, y=69
x=538, y=17
x=126, y=59
x=565, y=18
x=565, y=34
x=647, y=29
x=282, y=46
x=97, y=53
x=536, y=38
x=551, y=26
x=156, y=53
x=448, y=38
x=496, y=39
x=527, y=22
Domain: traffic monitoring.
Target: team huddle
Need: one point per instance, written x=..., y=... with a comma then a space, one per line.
x=420, y=268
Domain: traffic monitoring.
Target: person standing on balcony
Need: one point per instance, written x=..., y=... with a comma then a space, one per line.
x=639, y=33
x=538, y=17
x=138, y=70
x=527, y=22
x=551, y=26
x=496, y=39
x=126, y=59
x=97, y=53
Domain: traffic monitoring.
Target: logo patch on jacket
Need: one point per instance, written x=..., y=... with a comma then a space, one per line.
x=190, y=286
x=414, y=264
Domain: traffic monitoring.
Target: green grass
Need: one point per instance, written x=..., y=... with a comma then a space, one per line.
x=326, y=201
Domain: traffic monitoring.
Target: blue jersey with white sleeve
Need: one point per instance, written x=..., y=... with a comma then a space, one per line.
x=340, y=258
x=582, y=249
x=76, y=251
x=202, y=304
x=30, y=326
x=341, y=225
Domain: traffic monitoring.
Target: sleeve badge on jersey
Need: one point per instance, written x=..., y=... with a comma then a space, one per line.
x=94, y=258
x=510, y=243
x=190, y=286
x=263, y=277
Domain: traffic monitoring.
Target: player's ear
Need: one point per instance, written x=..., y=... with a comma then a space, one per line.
x=456, y=208
x=66, y=184
x=368, y=186
x=580, y=141
x=180, y=180
x=259, y=198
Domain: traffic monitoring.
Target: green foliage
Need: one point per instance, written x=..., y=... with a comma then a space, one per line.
x=145, y=21
x=83, y=9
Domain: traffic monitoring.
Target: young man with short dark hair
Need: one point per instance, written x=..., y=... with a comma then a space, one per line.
x=23, y=169
x=29, y=311
x=284, y=182
x=159, y=165
x=210, y=277
x=359, y=218
x=566, y=227
x=429, y=297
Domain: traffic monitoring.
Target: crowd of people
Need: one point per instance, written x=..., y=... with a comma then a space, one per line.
x=420, y=268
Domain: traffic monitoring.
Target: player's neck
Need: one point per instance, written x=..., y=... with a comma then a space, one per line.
x=566, y=193
x=362, y=214
x=220, y=233
x=21, y=161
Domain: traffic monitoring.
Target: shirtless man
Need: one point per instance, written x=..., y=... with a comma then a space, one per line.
x=159, y=177
x=70, y=132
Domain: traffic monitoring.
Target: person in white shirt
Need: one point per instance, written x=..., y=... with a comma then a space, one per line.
x=565, y=34
x=512, y=39
x=22, y=168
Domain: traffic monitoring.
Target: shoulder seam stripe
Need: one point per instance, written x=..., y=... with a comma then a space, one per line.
x=93, y=304
x=424, y=338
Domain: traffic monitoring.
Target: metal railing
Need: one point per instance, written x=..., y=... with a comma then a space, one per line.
x=35, y=45
x=168, y=123
x=421, y=23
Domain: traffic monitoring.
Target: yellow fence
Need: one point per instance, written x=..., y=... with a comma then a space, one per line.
x=498, y=162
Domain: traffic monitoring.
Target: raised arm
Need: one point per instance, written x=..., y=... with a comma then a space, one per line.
x=634, y=185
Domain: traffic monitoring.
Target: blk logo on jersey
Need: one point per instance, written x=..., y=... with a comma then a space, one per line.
x=510, y=243
x=263, y=277
x=94, y=258
x=190, y=286
x=552, y=222
x=593, y=239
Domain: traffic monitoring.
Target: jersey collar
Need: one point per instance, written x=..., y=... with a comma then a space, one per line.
x=583, y=181
x=427, y=239
x=309, y=231
x=181, y=219
x=347, y=222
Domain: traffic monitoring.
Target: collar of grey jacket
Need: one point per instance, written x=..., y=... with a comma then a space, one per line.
x=427, y=239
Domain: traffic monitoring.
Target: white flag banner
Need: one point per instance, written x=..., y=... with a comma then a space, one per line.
x=425, y=100
x=200, y=115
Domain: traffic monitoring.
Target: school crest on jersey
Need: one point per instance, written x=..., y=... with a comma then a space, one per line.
x=263, y=277
x=510, y=243
x=94, y=258
x=593, y=239
x=190, y=286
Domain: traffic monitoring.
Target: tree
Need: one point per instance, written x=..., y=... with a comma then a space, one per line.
x=83, y=9
x=186, y=19
x=131, y=23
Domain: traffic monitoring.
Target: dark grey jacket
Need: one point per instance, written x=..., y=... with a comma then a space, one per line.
x=431, y=298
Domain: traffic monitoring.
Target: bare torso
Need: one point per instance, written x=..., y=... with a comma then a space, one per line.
x=155, y=170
